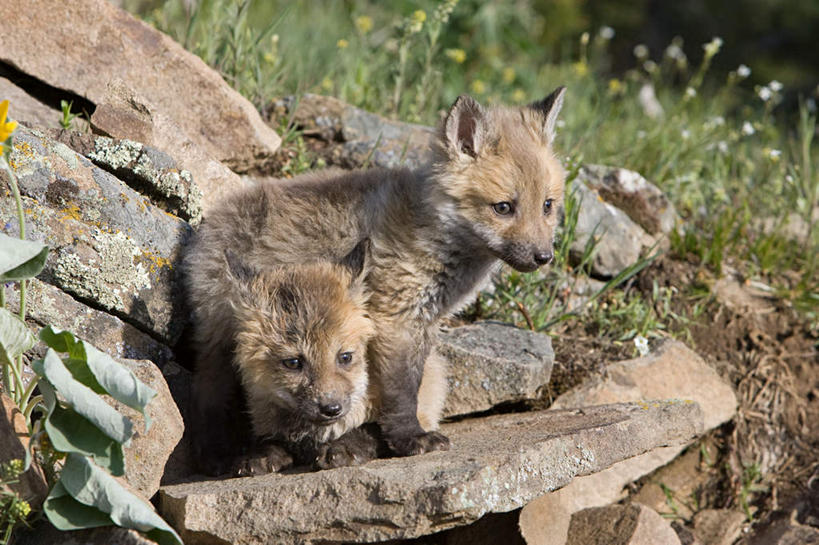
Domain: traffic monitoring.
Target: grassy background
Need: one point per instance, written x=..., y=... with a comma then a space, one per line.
x=734, y=151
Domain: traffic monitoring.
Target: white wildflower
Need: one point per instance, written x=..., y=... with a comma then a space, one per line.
x=641, y=343
x=748, y=129
x=690, y=92
x=606, y=32
x=714, y=122
x=685, y=134
x=764, y=93
x=722, y=146
x=584, y=38
x=775, y=86
x=774, y=154
x=674, y=51
x=641, y=51
x=712, y=47
x=743, y=71
x=650, y=66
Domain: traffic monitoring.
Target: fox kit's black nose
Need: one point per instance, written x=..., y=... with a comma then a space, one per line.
x=330, y=410
x=542, y=258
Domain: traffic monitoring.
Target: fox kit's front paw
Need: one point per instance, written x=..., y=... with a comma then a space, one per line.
x=273, y=458
x=418, y=444
x=351, y=449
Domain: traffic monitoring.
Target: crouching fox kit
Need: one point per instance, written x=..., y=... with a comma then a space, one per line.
x=299, y=335
x=492, y=193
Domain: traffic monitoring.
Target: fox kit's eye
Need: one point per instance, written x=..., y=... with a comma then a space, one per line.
x=503, y=208
x=547, y=206
x=292, y=363
x=345, y=358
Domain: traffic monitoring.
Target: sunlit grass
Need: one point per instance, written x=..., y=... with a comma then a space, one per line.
x=742, y=175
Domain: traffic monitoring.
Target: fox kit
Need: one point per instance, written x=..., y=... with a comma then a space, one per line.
x=492, y=193
x=299, y=335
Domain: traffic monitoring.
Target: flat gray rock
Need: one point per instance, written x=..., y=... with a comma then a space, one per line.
x=110, y=245
x=496, y=464
x=490, y=364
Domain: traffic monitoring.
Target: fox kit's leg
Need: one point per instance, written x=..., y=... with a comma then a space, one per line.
x=267, y=457
x=432, y=392
x=397, y=359
x=216, y=407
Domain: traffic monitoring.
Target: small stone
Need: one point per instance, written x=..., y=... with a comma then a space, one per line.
x=641, y=200
x=718, y=526
x=620, y=242
x=631, y=524
x=489, y=364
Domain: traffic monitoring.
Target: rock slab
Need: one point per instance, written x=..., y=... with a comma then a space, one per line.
x=492, y=363
x=109, y=244
x=496, y=464
x=149, y=450
x=70, y=50
x=672, y=370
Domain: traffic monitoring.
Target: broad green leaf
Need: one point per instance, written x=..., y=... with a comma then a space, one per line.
x=15, y=338
x=66, y=513
x=83, y=400
x=63, y=341
x=20, y=259
x=71, y=432
x=91, y=486
x=100, y=372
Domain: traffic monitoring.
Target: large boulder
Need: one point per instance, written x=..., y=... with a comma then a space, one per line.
x=496, y=464
x=110, y=245
x=82, y=46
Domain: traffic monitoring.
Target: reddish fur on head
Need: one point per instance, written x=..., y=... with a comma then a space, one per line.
x=313, y=313
x=503, y=155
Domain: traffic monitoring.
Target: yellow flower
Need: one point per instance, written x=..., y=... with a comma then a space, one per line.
x=518, y=96
x=616, y=86
x=327, y=84
x=419, y=16
x=457, y=55
x=5, y=128
x=364, y=24
x=509, y=74
x=342, y=43
x=581, y=68
x=478, y=87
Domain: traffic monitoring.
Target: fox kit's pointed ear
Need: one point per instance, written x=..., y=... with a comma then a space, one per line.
x=548, y=108
x=464, y=130
x=356, y=260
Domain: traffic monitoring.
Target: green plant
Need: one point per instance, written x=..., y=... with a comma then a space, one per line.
x=13, y=509
x=750, y=487
x=67, y=117
x=76, y=425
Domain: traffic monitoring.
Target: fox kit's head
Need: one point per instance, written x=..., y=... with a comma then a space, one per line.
x=499, y=179
x=301, y=337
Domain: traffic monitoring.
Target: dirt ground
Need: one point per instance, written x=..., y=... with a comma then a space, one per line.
x=766, y=462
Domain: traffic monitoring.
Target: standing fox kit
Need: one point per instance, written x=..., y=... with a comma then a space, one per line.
x=493, y=192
